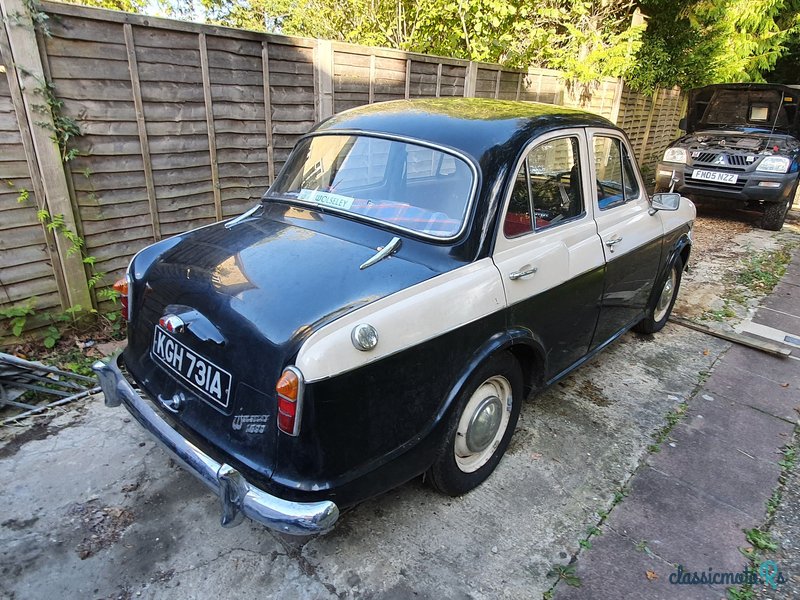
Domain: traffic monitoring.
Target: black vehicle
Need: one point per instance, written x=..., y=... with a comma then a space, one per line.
x=417, y=269
x=741, y=147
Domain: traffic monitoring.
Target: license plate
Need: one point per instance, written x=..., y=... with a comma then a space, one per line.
x=715, y=176
x=200, y=374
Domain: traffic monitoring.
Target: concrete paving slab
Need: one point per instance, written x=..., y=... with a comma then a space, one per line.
x=785, y=297
x=615, y=568
x=737, y=427
x=752, y=389
x=779, y=320
x=780, y=370
x=681, y=524
x=726, y=450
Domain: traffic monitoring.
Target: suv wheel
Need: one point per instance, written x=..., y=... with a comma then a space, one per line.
x=774, y=215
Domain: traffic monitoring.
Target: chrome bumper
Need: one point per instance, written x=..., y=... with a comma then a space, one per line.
x=239, y=498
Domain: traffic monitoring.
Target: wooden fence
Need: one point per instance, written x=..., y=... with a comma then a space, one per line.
x=183, y=124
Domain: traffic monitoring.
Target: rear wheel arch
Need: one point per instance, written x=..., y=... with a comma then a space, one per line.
x=531, y=362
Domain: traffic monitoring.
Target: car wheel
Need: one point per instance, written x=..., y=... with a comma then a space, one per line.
x=658, y=313
x=774, y=215
x=481, y=426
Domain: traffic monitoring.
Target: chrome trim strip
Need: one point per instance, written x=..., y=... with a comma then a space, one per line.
x=398, y=138
x=238, y=497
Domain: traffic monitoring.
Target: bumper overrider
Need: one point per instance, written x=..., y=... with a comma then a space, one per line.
x=238, y=497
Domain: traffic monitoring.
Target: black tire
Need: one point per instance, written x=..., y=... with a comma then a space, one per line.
x=450, y=474
x=774, y=215
x=661, y=306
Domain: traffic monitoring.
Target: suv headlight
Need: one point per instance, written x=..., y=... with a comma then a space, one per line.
x=676, y=155
x=774, y=164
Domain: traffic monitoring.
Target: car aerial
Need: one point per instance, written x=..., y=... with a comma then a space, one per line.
x=417, y=269
x=741, y=148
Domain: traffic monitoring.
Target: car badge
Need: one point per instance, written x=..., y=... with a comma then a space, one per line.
x=696, y=154
x=751, y=159
x=172, y=323
x=720, y=160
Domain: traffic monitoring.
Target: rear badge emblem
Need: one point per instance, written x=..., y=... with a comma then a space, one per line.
x=250, y=423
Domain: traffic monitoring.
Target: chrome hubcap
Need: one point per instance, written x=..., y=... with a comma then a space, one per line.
x=666, y=297
x=483, y=424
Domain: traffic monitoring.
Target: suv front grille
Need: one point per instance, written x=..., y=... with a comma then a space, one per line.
x=731, y=160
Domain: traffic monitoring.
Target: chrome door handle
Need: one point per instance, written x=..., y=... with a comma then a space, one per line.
x=613, y=242
x=519, y=274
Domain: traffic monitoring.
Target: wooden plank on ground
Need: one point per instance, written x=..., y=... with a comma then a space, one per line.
x=779, y=350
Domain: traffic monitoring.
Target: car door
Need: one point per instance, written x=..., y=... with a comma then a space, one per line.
x=631, y=236
x=547, y=250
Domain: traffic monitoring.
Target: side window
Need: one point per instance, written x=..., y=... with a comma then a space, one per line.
x=616, y=179
x=547, y=188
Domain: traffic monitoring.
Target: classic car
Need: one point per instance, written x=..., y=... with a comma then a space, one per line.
x=741, y=148
x=417, y=269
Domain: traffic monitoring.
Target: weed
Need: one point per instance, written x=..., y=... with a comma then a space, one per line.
x=585, y=544
x=789, y=458
x=773, y=503
x=744, y=592
x=726, y=312
x=594, y=530
x=762, y=270
x=18, y=316
x=760, y=539
x=567, y=575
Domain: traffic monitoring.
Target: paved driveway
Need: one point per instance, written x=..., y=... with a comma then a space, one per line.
x=92, y=508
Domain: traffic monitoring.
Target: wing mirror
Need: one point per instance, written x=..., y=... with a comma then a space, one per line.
x=682, y=124
x=665, y=201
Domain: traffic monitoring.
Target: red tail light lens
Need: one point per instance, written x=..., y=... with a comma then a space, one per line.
x=290, y=397
x=121, y=287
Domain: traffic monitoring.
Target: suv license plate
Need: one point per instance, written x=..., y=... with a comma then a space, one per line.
x=715, y=176
x=210, y=381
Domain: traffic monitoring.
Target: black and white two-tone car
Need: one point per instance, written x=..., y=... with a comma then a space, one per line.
x=416, y=271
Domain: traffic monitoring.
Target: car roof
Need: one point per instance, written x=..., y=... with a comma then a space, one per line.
x=474, y=126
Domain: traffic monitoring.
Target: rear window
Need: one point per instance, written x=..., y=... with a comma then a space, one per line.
x=401, y=184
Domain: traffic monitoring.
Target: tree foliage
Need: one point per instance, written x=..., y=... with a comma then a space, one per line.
x=683, y=42
x=712, y=41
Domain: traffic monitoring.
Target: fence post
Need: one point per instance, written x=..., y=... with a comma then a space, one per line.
x=29, y=72
x=615, y=108
x=471, y=80
x=323, y=78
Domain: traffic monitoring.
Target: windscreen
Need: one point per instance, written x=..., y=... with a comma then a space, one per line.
x=401, y=184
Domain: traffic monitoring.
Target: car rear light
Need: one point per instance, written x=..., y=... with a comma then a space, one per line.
x=123, y=288
x=290, y=400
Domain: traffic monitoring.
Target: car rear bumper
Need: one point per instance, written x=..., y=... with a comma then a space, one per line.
x=752, y=186
x=239, y=498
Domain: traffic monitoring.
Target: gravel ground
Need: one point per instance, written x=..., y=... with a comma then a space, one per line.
x=785, y=530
